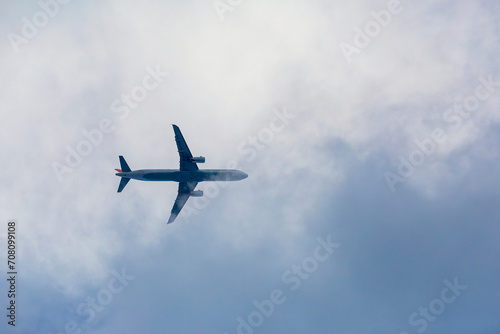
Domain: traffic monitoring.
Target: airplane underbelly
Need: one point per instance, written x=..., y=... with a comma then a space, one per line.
x=179, y=176
x=187, y=176
x=161, y=176
x=216, y=176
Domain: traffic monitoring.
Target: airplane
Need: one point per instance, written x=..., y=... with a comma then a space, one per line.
x=188, y=175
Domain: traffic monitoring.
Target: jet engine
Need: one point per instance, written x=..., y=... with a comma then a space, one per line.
x=196, y=193
x=198, y=159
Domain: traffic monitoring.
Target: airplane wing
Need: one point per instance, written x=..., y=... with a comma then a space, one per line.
x=185, y=189
x=186, y=164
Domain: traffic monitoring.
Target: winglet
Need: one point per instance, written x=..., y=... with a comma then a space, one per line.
x=177, y=131
x=172, y=218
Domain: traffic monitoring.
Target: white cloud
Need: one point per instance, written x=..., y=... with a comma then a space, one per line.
x=225, y=79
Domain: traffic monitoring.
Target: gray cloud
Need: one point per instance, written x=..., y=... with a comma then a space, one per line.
x=323, y=174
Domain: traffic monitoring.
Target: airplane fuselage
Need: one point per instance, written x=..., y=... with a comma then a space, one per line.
x=188, y=175
x=176, y=175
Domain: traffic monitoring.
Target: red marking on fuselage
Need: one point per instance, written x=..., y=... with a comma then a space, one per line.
x=118, y=170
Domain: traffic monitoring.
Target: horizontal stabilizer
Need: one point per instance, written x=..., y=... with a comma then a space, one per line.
x=125, y=168
x=123, y=183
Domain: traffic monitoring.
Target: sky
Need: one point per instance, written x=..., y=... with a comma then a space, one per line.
x=369, y=130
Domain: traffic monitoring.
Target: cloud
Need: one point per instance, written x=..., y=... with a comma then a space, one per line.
x=323, y=173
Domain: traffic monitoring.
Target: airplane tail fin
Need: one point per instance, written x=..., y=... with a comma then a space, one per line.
x=124, y=169
x=123, y=164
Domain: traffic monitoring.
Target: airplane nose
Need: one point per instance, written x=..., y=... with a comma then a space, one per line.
x=244, y=175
